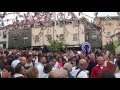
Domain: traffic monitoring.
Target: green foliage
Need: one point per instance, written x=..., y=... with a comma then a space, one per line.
x=55, y=45
x=20, y=46
x=111, y=46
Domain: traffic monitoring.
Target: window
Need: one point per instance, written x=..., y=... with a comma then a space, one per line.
x=74, y=23
x=94, y=37
x=25, y=32
x=62, y=37
x=37, y=38
x=15, y=40
x=49, y=37
x=4, y=45
x=108, y=34
x=25, y=39
x=37, y=25
x=61, y=23
x=4, y=34
x=75, y=37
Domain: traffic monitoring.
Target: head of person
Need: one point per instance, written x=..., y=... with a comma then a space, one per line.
x=58, y=73
x=19, y=68
x=68, y=66
x=32, y=72
x=60, y=59
x=7, y=71
x=23, y=60
x=42, y=58
x=105, y=57
x=29, y=57
x=100, y=60
x=107, y=74
x=92, y=56
x=16, y=56
x=82, y=56
x=53, y=61
x=83, y=64
x=47, y=68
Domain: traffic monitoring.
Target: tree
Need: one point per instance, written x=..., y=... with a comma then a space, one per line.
x=55, y=45
x=111, y=46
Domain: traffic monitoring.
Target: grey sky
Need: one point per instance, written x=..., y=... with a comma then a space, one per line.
x=107, y=14
x=91, y=14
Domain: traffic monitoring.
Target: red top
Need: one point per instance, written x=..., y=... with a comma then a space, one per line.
x=96, y=71
x=60, y=64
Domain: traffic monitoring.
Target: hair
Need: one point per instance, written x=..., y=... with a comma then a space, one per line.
x=107, y=74
x=9, y=69
x=32, y=72
x=29, y=55
x=118, y=62
x=68, y=67
x=17, y=56
x=18, y=68
x=47, y=68
x=82, y=56
x=40, y=56
x=9, y=61
x=58, y=73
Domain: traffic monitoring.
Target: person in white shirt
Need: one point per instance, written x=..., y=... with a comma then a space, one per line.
x=35, y=59
x=15, y=62
x=53, y=63
x=47, y=69
x=40, y=65
x=19, y=71
x=117, y=75
x=75, y=69
x=82, y=73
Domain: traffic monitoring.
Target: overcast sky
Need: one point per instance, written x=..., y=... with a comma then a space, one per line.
x=91, y=14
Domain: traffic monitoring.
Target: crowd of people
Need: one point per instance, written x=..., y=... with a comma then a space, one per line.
x=68, y=64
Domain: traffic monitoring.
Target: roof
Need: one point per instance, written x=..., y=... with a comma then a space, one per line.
x=112, y=17
x=116, y=34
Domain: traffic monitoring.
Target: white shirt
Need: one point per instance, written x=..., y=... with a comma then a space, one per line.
x=36, y=61
x=45, y=75
x=14, y=63
x=56, y=65
x=16, y=75
x=40, y=68
x=83, y=74
x=74, y=71
x=115, y=60
x=29, y=64
x=117, y=75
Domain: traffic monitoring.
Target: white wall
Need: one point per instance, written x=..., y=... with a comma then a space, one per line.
x=57, y=31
